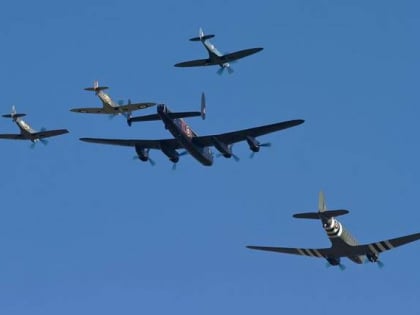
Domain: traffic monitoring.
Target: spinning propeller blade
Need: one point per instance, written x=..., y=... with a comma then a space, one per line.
x=264, y=145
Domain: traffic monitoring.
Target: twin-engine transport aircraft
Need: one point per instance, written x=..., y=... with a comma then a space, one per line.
x=186, y=138
x=26, y=132
x=108, y=105
x=215, y=57
x=343, y=243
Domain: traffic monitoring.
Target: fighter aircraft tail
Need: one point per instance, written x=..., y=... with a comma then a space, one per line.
x=13, y=114
x=96, y=87
x=201, y=36
x=322, y=211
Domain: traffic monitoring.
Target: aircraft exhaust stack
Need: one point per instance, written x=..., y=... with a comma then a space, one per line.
x=322, y=213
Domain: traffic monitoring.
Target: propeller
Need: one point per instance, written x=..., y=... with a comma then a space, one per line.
x=146, y=155
x=341, y=266
x=179, y=154
x=152, y=162
x=380, y=264
x=264, y=145
x=223, y=67
x=33, y=144
x=235, y=157
x=42, y=140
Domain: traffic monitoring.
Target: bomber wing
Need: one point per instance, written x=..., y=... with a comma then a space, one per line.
x=382, y=246
x=241, y=135
x=195, y=63
x=12, y=136
x=49, y=133
x=147, y=144
x=240, y=54
x=311, y=252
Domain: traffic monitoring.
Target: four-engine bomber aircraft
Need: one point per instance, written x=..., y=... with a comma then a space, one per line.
x=215, y=57
x=343, y=243
x=186, y=138
x=108, y=105
x=26, y=132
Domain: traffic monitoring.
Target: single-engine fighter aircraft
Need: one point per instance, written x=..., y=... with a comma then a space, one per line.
x=343, y=243
x=108, y=105
x=216, y=57
x=26, y=132
x=186, y=138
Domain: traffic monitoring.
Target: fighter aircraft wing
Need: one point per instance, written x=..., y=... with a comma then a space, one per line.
x=311, y=252
x=12, y=136
x=146, y=144
x=240, y=54
x=382, y=246
x=135, y=106
x=195, y=63
x=89, y=110
x=49, y=133
x=241, y=135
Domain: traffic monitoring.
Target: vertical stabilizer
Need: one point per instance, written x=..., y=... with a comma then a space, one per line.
x=203, y=106
x=322, y=207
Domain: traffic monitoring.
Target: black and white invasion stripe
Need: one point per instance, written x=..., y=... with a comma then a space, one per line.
x=380, y=247
x=309, y=252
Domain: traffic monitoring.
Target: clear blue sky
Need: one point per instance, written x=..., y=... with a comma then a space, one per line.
x=85, y=229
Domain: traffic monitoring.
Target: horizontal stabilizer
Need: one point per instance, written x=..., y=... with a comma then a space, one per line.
x=201, y=38
x=13, y=115
x=96, y=89
x=319, y=215
x=157, y=117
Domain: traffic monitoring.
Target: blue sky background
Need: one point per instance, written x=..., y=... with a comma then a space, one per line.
x=86, y=229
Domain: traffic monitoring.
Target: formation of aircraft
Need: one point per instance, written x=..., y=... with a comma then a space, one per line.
x=343, y=243
x=185, y=138
x=216, y=58
x=108, y=105
x=26, y=132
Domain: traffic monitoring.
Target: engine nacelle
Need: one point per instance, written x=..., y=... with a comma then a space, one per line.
x=334, y=261
x=142, y=153
x=225, y=150
x=254, y=144
x=372, y=257
x=172, y=154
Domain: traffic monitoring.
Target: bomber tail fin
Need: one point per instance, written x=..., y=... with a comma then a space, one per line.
x=322, y=211
x=201, y=36
x=13, y=114
x=96, y=87
x=322, y=206
x=203, y=106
